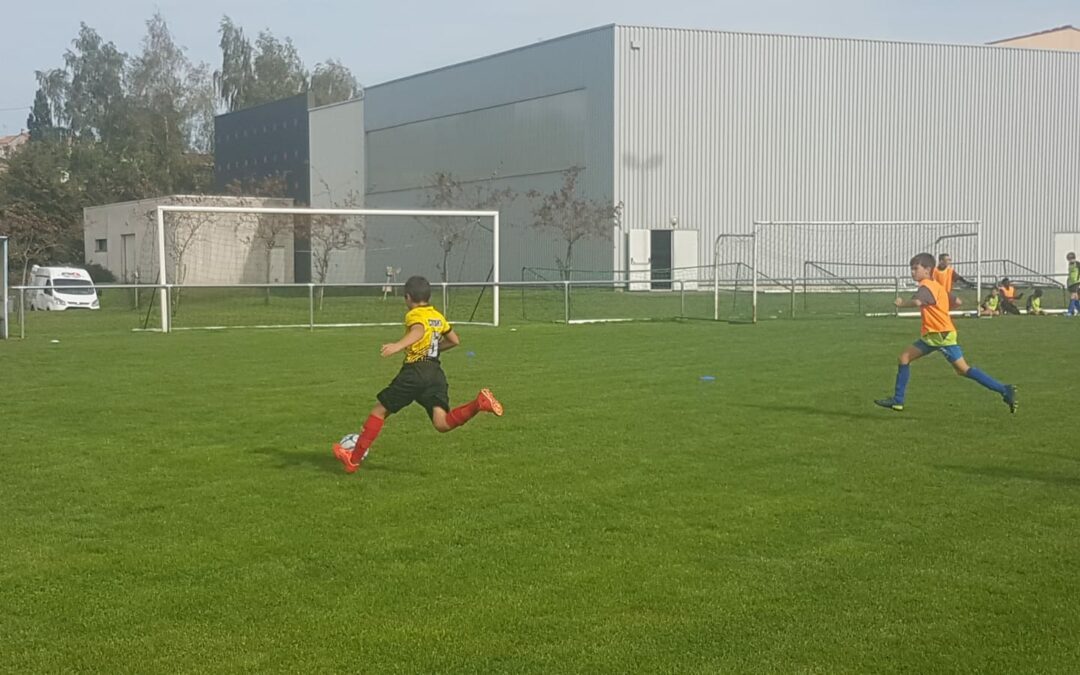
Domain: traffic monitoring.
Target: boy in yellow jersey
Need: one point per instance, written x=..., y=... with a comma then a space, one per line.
x=1074, y=284
x=421, y=378
x=938, y=335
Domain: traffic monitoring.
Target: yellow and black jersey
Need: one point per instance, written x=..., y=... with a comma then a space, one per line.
x=435, y=326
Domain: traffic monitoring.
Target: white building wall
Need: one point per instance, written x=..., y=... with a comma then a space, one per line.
x=717, y=130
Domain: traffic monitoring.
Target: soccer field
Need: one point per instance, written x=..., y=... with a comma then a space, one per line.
x=171, y=504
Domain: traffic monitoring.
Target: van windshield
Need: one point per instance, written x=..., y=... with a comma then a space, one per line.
x=74, y=286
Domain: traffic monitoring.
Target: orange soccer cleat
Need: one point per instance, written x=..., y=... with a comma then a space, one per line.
x=344, y=456
x=488, y=402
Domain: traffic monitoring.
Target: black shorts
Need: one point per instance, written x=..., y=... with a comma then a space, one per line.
x=423, y=382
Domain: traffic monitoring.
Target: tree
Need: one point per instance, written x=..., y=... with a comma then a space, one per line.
x=40, y=206
x=40, y=121
x=95, y=86
x=31, y=237
x=449, y=193
x=250, y=75
x=329, y=234
x=271, y=230
x=572, y=217
x=332, y=82
x=279, y=71
x=177, y=95
x=183, y=230
x=53, y=84
x=237, y=76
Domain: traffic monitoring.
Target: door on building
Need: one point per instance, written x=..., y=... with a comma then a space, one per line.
x=638, y=245
x=658, y=257
x=1065, y=243
x=128, y=273
x=684, y=254
x=660, y=261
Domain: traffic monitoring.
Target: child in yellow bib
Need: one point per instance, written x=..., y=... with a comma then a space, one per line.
x=938, y=335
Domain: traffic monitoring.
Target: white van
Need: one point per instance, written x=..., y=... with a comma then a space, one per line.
x=59, y=288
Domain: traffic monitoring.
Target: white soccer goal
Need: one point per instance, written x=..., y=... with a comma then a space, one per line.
x=236, y=266
x=851, y=267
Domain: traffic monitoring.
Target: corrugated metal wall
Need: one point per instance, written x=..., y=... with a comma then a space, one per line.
x=513, y=120
x=719, y=129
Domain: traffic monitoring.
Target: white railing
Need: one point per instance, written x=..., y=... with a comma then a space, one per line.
x=315, y=305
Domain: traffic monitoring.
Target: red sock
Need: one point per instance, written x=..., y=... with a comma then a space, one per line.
x=462, y=414
x=368, y=434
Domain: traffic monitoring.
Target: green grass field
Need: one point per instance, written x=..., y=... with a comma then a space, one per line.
x=170, y=503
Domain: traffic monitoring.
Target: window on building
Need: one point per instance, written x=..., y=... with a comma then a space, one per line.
x=101, y=246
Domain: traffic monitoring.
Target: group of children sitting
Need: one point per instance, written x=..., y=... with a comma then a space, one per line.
x=1003, y=298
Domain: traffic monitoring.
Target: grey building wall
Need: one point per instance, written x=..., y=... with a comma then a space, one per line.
x=513, y=120
x=337, y=181
x=719, y=129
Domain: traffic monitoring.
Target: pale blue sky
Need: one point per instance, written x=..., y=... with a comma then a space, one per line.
x=384, y=40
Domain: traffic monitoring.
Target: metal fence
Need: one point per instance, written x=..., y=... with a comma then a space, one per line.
x=310, y=306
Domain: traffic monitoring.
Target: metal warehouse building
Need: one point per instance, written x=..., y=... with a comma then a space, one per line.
x=706, y=132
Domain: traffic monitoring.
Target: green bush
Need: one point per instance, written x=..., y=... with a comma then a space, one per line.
x=99, y=274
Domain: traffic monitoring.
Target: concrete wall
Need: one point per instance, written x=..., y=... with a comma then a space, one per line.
x=201, y=248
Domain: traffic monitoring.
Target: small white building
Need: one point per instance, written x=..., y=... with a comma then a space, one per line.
x=201, y=248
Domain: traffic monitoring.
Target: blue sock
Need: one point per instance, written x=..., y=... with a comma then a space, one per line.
x=903, y=374
x=986, y=381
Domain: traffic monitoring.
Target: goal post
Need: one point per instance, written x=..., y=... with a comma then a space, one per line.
x=352, y=252
x=853, y=266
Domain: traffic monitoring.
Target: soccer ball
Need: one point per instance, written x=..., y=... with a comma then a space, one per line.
x=349, y=442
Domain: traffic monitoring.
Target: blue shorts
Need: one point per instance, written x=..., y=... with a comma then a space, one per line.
x=952, y=353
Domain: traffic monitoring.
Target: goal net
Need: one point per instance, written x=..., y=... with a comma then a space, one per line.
x=270, y=267
x=855, y=268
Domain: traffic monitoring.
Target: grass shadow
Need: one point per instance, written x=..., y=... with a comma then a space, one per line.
x=1054, y=455
x=293, y=458
x=1013, y=474
x=325, y=461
